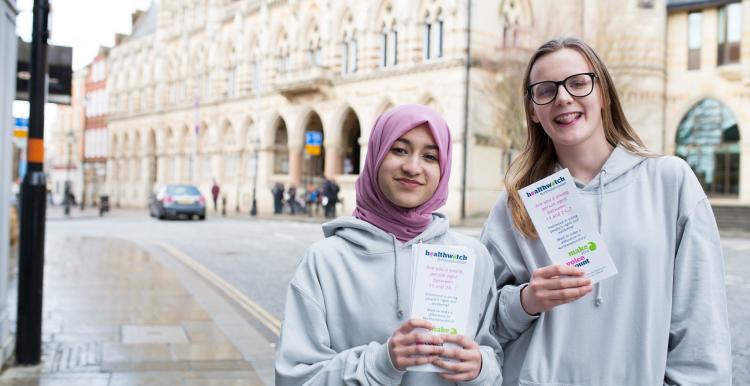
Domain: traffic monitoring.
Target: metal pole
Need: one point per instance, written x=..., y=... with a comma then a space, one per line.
x=33, y=204
x=254, y=207
x=68, y=183
x=465, y=134
x=256, y=91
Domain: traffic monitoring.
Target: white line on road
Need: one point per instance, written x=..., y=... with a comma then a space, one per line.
x=284, y=236
x=273, y=324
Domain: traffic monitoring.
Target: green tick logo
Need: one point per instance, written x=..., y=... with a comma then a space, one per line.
x=445, y=330
x=589, y=247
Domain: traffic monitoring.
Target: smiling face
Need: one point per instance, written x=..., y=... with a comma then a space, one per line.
x=569, y=121
x=410, y=172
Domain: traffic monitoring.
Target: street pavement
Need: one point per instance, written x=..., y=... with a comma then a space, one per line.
x=248, y=263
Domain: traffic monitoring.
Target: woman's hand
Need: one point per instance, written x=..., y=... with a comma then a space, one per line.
x=548, y=288
x=468, y=355
x=411, y=348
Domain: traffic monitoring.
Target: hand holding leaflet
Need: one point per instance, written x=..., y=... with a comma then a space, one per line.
x=566, y=233
x=442, y=283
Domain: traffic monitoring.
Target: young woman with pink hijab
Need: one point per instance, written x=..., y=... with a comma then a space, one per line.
x=348, y=305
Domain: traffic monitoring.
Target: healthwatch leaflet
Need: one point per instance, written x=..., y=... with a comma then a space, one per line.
x=566, y=233
x=442, y=283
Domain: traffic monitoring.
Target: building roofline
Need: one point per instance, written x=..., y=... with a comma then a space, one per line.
x=694, y=5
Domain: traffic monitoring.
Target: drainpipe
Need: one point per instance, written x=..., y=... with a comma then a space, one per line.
x=465, y=138
x=665, y=72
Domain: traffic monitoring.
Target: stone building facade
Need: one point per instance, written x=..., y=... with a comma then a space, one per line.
x=225, y=90
x=708, y=95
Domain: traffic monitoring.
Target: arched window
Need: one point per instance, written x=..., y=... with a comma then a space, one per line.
x=432, y=46
x=427, y=46
x=283, y=54
x=349, y=48
x=708, y=139
x=511, y=14
x=233, y=80
x=314, y=47
x=388, y=40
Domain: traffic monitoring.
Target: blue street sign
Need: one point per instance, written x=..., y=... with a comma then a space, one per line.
x=313, y=138
x=22, y=122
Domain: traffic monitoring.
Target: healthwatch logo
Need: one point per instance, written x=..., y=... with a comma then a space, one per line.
x=581, y=259
x=544, y=187
x=445, y=256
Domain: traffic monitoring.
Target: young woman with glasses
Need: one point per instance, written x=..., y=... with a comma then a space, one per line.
x=663, y=318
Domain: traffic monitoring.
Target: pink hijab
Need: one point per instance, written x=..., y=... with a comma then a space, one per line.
x=372, y=205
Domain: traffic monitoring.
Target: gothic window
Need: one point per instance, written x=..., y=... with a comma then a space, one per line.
x=708, y=138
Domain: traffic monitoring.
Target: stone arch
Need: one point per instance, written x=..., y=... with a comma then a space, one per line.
x=351, y=139
x=708, y=139
x=429, y=100
x=313, y=166
x=383, y=106
x=280, y=145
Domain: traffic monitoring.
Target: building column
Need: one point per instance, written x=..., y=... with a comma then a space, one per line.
x=334, y=160
x=295, y=166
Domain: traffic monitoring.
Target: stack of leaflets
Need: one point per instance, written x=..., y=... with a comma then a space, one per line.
x=442, y=281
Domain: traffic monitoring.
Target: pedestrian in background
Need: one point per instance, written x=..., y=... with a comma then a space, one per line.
x=292, y=199
x=278, y=197
x=663, y=318
x=215, y=190
x=330, y=197
x=313, y=196
x=346, y=318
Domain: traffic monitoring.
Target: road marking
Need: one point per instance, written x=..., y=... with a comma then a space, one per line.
x=263, y=316
x=284, y=236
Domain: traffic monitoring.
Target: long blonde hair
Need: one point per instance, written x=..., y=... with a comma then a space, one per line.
x=538, y=157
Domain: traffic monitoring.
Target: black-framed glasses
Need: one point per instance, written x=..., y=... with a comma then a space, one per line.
x=578, y=85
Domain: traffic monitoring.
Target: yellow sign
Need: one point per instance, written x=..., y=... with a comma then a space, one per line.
x=20, y=133
x=312, y=149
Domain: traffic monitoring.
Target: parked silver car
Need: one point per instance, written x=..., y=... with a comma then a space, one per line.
x=171, y=201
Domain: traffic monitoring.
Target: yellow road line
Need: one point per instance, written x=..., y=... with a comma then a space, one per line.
x=273, y=324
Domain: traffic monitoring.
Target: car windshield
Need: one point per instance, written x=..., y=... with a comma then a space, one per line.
x=183, y=190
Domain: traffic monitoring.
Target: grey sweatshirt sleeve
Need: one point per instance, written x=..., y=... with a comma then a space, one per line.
x=512, y=319
x=304, y=355
x=699, y=342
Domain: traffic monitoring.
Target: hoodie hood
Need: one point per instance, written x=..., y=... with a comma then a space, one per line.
x=367, y=236
x=615, y=174
x=369, y=239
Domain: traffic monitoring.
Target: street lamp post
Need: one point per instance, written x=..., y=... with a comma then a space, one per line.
x=254, y=207
x=68, y=183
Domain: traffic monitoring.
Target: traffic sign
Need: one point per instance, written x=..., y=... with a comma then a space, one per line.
x=314, y=138
x=313, y=142
x=312, y=150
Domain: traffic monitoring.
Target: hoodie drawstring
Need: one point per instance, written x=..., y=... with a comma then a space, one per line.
x=599, y=299
x=399, y=310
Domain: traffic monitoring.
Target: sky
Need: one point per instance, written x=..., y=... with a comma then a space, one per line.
x=82, y=24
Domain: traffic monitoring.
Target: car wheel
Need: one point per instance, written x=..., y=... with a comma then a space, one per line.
x=202, y=217
x=162, y=216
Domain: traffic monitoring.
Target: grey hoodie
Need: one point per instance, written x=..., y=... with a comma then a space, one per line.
x=352, y=290
x=661, y=320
